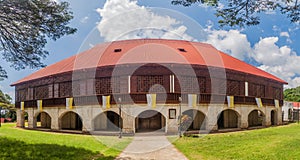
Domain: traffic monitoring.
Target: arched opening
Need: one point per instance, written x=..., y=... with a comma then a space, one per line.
x=256, y=118
x=290, y=114
x=228, y=119
x=43, y=120
x=197, y=120
x=150, y=120
x=273, y=117
x=71, y=121
x=24, y=119
x=107, y=121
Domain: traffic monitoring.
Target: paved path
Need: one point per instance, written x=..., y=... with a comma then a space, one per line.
x=150, y=147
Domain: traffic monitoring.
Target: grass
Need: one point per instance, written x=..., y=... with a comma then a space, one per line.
x=281, y=142
x=18, y=143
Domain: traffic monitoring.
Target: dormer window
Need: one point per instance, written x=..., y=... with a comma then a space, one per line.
x=118, y=50
x=181, y=49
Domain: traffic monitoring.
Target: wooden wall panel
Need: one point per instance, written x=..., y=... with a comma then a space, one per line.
x=143, y=77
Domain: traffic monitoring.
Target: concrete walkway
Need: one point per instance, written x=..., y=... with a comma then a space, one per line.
x=150, y=147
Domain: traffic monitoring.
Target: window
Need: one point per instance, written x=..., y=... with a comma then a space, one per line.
x=144, y=83
x=21, y=95
x=42, y=92
x=65, y=89
x=233, y=87
x=181, y=49
x=107, y=85
x=118, y=50
x=172, y=113
x=256, y=90
x=190, y=84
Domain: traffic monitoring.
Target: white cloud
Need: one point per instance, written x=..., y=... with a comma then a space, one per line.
x=285, y=34
x=12, y=95
x=275, y=28
x=268, y=53
x=91, y=45
x=233, y=42
x=84, y=19
x=57, y=1
x=220, y=6
x=294, y=82
x=280, y=61
x=125, y=19
x=203, y=5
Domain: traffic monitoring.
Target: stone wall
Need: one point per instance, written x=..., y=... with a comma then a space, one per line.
x=88, y=116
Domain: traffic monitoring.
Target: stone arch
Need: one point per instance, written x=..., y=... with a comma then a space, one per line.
x=23, y=120
x=273, y=117
x=229, y=118
x=256, y=118
x=70, y=121
x=150, y=120
x=107, y=121
x=43, y=120
x=198, y=119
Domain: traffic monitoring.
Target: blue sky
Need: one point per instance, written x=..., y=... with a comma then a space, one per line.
x=272, y=46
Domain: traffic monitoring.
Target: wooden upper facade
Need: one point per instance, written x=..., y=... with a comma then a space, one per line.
x=149, y=66
x=114, y=80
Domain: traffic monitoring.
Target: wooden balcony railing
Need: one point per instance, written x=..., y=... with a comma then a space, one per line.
x=137, y=98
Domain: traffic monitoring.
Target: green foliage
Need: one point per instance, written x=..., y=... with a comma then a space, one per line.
x=244, y=12
x=9, y=150
x=17, y=143
x=281, y=142
x=5, y=98
x=292, y=94
x=25, y=27
x=5, y=103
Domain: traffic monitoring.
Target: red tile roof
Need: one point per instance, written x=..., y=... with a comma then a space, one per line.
x=148, y=51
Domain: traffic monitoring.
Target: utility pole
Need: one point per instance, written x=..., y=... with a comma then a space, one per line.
x=179, y=117
x=120, y=119
x=0, y=115
x=298, y=115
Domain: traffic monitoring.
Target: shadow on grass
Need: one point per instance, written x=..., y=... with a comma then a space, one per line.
x=15, y=149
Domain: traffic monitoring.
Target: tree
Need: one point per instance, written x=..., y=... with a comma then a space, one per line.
x=245, y=12
x=5, y=103
x=5, y=99
x=292, y=94
x=25, y=27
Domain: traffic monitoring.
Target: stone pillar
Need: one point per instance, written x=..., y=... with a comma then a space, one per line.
x=20, y=118
x=172, y=126
x=31, y=118
x=86, y=115
x=244, y=121
x=244, y=118
x=87, y=122
x=268, y=117
x=212, y=117
x=279, y=116
x=54, y=119
x=128, y=123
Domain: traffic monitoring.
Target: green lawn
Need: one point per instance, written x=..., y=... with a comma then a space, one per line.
x=281, y=142
x=23, y=144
